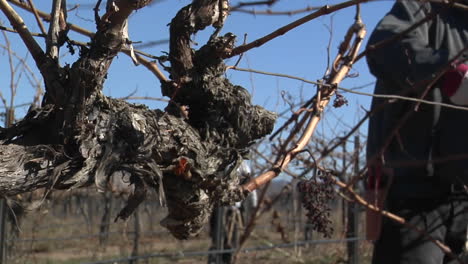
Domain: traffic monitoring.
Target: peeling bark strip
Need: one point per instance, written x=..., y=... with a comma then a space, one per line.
x=86, y=139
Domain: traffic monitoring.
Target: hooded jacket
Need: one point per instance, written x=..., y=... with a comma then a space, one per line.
x=432, y=140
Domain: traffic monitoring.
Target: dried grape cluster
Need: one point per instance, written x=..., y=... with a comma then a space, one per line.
x=316, y=194
x=339, y=101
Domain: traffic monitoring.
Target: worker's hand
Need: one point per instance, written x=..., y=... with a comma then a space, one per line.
x=455, y=84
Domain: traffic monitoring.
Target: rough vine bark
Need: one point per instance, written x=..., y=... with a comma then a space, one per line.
x=188, y=153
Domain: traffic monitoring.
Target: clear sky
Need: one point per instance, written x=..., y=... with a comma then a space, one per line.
x=301, y=52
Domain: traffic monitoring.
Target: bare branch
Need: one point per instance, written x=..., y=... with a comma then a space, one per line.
x=277, y=13
x=52, y=42
x=48, y=18
x=36, y=82
x=255, y=3
x=38, y=19
x=325, y=10
x=12, y=70
x=153, y=67
x=353, y=91
x=97, y=18
x=14, y=31
x=344, y=61
x=18, y=24
x=92, y=67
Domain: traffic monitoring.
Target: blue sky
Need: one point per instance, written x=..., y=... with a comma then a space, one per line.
x=302, y=52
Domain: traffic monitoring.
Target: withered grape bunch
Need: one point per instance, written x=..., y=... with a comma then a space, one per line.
x=316, y=194
x=339, y=101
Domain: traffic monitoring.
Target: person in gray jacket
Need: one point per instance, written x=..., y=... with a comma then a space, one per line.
x=417, y=153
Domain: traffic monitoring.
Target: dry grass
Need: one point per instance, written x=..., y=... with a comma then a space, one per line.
x=84, y=246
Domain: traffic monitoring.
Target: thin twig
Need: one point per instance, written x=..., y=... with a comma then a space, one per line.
x=292, y=118
x=37, y=82
x=153, y=67
x=145, y=98
x=266, y=159
x=325, y=10
x=242, y=54
x=150, y=44
x=255, y=3
x=19, y=25
x=330, y=39
x=353, y=91
x=336, y=77
x=14, y=31
x=12, y=71
x=97, y=18
x=276, y=13
x=38, y=19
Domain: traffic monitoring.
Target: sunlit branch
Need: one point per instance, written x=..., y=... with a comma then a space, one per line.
x=14, y=31
x=358, y=30
x=19, y=25
x=52, y=45
x=153, y=67
x=325, y=10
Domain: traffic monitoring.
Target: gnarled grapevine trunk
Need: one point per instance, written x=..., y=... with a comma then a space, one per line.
x=188, y=153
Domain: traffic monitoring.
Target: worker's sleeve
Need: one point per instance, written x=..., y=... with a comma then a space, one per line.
x=410, y=59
